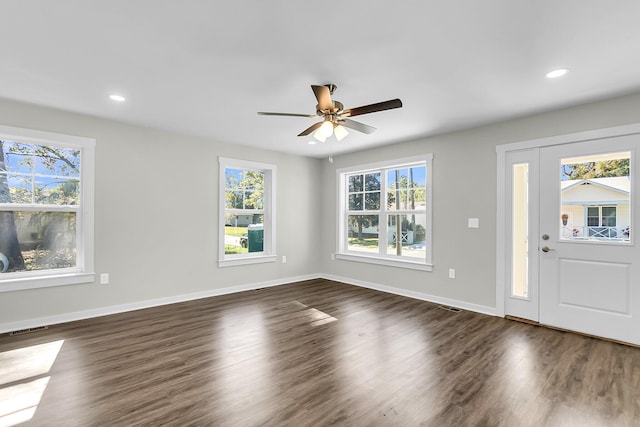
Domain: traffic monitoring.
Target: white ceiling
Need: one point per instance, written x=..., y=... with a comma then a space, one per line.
x=206, y=67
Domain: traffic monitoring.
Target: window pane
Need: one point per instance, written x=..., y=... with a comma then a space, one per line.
x=17, y=157
x=19, y=189
x=243, y=233
x=57, y=191
x=595, y=202
x=412, y=232
x=42, y=240
x=355, y=202
x=593, y=216
x=372, y=181
x=372, y=201
x=355, y=183
x=363, y=233
x=57, y=161
x=608, y=216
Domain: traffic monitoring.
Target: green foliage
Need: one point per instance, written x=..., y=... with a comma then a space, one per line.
x=233, y=249
x=603, y=169
x=235, y=231
x=246, y=192
x=367, y=242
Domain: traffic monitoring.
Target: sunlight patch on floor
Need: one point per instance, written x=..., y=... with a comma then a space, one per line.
x=23, y=380
x=315, y=316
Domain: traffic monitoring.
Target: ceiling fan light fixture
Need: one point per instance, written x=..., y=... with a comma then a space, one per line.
x=326, y=129
x=340, y=132
x=319, y=136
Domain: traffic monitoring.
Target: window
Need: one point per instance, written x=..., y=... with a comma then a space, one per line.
x=46, y=209
x=247, y=224
x=385, y=213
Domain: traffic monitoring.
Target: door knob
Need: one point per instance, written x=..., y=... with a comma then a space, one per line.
x=546, y=249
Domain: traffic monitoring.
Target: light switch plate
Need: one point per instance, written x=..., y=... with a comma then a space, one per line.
x=474, y=223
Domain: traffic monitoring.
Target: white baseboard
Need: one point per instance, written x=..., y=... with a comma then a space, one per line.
x=483, y=309
x=105, y=311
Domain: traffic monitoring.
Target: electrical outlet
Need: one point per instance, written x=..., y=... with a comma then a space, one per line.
x=452, y=273
x=333, y=257
x=104, y=278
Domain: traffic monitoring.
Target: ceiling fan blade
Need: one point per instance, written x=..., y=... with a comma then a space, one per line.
x=323, y=95
x=310, y=129
x=262, y=113
x=360, y=127
x=372, y=108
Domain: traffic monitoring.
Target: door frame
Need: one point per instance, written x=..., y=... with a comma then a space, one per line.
x=502, y=233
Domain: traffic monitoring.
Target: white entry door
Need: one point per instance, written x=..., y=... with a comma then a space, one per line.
x=588, y=251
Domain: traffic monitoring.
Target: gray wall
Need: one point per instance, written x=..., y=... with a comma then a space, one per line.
x=156, y=216
x=146, y=180
x=464, y=186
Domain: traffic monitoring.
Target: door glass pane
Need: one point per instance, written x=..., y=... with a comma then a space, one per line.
x=520, y=232
x=595, y=198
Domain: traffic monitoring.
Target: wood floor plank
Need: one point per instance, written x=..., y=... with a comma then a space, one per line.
x=314, y=353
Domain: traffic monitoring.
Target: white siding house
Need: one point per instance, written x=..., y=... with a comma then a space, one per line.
x=596, y=208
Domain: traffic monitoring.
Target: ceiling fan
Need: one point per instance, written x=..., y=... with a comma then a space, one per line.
x=336, y=116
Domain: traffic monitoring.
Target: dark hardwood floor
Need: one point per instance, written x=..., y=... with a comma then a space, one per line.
x=314, y=353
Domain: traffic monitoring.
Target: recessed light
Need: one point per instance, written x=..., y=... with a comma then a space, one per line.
x=311, y=142
x=557, y=73
x=118, y=98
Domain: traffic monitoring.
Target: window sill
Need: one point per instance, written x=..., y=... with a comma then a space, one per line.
x=246, y=260
x=33, y=282
x=412, y=265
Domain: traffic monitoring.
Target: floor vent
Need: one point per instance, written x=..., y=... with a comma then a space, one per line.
x=453, y=309
x=28, y=330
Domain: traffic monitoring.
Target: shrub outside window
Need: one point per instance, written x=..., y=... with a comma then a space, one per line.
x=385, y=213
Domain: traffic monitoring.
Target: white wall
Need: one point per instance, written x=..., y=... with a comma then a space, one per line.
x=147, y=183
x=464, y=180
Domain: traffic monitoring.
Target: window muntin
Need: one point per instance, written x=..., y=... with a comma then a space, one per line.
x=247, y=212
x=378, y=203
x=46, y=209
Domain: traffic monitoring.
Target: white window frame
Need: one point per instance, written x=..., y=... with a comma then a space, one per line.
x=342, y=251
x=83, y=272
x=269, y=223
